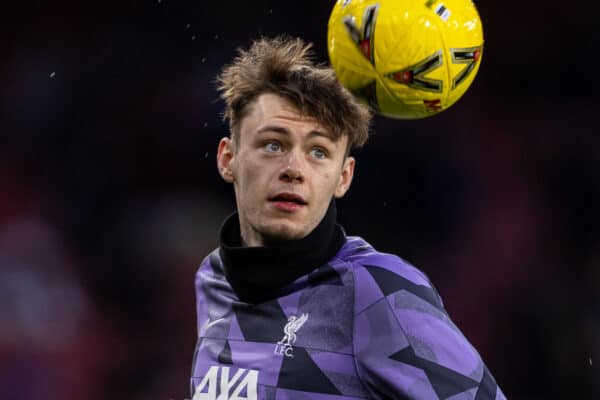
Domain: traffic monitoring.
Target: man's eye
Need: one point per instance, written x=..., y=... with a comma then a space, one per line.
x=318, y=153
x=273, y=147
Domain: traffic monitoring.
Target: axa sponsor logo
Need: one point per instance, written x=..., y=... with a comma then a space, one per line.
x=220, y=384
x=285, y=346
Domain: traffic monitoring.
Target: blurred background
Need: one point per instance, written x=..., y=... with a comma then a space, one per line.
x=110, y=199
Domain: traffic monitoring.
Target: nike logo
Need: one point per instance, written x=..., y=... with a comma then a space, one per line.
x=211, y=323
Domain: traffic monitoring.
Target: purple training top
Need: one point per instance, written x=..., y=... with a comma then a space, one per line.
x=366, y=325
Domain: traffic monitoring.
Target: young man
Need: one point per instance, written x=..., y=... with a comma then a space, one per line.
x=289, y=307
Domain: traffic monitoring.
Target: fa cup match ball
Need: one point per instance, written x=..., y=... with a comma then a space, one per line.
x=407, y=59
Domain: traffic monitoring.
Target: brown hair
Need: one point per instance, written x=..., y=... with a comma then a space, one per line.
x=285, y=66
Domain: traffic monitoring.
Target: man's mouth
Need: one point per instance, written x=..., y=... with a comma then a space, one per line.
x=288, y=201
x=289, y=197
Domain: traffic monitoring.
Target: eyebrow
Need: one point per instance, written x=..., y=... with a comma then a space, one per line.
x=284, y=131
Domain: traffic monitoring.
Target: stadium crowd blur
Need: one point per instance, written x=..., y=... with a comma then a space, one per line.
x=109, y=196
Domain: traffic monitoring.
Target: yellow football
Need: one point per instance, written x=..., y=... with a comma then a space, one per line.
x=407, y=59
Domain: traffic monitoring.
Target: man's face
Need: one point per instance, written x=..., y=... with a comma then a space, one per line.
x=285, y=169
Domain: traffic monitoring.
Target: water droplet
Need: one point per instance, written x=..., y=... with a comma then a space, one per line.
x=206, y=155
x=52, y=74
x=194, y=37
x=385, y=203
x=205, y=125
x=203, y=60
x=188, y=26
x=216, y=37
x=159, y=1
x=270, y=11
x=590, y=360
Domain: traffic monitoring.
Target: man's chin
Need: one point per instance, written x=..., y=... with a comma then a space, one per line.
x=281, y=232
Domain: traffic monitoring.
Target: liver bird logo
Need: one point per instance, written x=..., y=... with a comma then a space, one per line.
x=293, y=325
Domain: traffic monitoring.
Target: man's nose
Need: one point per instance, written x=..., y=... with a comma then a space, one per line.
x=293, y=168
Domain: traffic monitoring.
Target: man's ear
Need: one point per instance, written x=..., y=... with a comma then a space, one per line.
x=225, y=158
x=345, y=178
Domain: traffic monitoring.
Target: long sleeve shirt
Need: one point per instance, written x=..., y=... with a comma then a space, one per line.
x=362, y=325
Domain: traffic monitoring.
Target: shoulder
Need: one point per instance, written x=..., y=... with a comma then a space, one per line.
x=210, y=267
x=378, y=275
x=404, y=341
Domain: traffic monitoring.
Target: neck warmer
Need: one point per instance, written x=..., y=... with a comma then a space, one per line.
x=256, y=274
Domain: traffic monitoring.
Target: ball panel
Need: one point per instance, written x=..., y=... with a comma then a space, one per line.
x=463, y=39
x=353, y=67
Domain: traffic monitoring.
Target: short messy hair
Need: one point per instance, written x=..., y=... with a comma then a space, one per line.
x=285, y=66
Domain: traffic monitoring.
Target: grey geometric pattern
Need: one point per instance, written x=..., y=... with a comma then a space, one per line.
x=445, y=381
